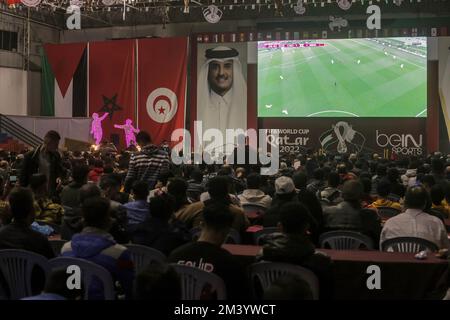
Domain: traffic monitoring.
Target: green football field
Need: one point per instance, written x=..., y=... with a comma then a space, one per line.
x=384, y=77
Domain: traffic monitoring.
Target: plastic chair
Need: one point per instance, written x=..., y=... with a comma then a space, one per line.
x=57, y=246
x=16, y=267
x=194, y=280
x=268, y=272
x=408, y=244
x=259, y=236
x=345, y=240
x=143, y=256
x=387, y=212
x=233, y=236
x=89, y=270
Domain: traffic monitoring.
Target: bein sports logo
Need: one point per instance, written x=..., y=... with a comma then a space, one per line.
x=403, y=144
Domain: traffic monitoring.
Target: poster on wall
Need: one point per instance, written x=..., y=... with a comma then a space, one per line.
x=222, y=86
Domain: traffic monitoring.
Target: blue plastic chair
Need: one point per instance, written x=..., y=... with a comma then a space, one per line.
x=194, y=280
x=142, y=256
x=345, y=240
x=267, y=272
x=16, y=267
x=89, y=270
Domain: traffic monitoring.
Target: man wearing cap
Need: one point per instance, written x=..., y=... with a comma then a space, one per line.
x=222, y=91
x=284, y=192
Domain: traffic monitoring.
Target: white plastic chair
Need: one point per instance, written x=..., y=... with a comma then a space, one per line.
x=194, y=280
x=408, y=244
x=268, y=272
x=88, y=271
x=142, y=256
x=16, y=267
x=345, y=240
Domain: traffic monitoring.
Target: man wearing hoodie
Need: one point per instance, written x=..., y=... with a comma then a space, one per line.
x=293, y=245
x=147, y=164
x=95, y=244
x=253, y=195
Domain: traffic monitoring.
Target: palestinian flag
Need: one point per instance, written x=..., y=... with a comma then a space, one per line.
x=64, y=80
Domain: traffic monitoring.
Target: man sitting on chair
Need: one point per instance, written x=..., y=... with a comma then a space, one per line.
x=207, y=253
x=294, y=246
x=414, y=222
x=96, y=244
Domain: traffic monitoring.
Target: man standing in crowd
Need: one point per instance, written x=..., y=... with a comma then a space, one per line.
x=147, y=164
x=46, y=160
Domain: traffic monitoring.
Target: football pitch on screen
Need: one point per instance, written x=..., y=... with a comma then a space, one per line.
x=384, y=77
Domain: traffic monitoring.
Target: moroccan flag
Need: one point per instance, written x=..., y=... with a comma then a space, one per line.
x=112, y=86
x=162, y=70
x=63, y=80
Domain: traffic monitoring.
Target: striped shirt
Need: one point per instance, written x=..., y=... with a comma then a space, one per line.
x=146, y=165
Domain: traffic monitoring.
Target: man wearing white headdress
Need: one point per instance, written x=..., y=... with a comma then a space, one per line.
x=222, y=91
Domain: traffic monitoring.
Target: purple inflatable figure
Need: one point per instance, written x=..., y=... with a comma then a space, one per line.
x=129, y=132
x=96, y=127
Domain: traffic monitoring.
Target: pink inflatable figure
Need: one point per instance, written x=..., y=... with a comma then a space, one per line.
x=96, y=127
x=130, y=138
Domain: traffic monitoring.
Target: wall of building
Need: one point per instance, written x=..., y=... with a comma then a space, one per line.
x=20, y=92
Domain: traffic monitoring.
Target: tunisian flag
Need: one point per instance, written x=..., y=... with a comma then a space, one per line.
x=112, y=85
x=162, y=69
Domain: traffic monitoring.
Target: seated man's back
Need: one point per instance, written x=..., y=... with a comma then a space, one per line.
x=293, y=246
x=18, y=234
x=414, y=222
x=207, y=253
x=95, y=244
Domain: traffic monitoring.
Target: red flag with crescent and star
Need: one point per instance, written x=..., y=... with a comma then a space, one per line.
x=162, y=71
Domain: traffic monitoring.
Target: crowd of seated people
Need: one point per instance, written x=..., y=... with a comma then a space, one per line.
x=102, y=200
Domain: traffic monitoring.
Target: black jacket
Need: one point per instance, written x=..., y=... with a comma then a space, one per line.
x=346, y=217
x=30, y=166
x=297, y=249
x=20, y=236
x=160, y=235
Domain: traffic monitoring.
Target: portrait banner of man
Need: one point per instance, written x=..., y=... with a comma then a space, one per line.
x=221, y=86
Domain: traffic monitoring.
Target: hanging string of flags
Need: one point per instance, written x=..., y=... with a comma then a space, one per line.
x=317, y=34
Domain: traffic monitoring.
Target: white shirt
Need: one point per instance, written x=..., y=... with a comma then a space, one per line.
x=416, y=223
x=219, y=112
